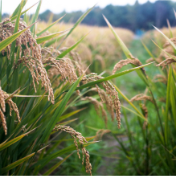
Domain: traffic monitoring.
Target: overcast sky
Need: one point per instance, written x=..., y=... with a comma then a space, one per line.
x=57, y=6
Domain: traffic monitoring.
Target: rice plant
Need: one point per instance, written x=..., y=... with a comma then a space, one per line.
x=99, y=54
x=40, y=86
x=150, y=144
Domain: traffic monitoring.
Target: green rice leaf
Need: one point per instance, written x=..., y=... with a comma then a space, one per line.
x=53, y=155
x=167, y=105
x=50, y=18
x=170, y=30
x=131, y=110
x=16, y=28
x=59, y=110
x=148, y=51
x=173, y=99
x=123, y=46
x=56, y=166
x=35, y=16
x=11, y=95
x=127, y=53
x=173, y=45
x=20, y=6
x=26, y=18
x=48, y=158
x=70, y=114
x=24, y=12
x=77, y=23
x=54, y=40
x=9, y=40
x=71, y=48
x=111, y=77
x=67, y=122
x=16, y=163
x=48, y=37
x=40, y=33
x=9, y=143
x=18, y=19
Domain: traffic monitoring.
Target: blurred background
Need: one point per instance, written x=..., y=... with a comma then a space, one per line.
x=136, y=15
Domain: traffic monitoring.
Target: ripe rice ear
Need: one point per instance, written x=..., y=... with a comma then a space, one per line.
x=32, y=58
x=142, y=97
x=76, y=135
x=122, y=63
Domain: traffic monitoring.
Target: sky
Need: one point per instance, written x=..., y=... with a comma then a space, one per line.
x=58, y=6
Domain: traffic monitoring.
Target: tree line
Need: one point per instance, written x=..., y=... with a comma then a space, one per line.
x=134, y=17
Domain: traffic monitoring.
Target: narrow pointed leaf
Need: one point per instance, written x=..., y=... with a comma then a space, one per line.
x=20, y=6
x=48, y=158
x=48, y=37
x=40, y=33
x=132, y=111
x=50, y=20
x=9, y=40
x=71, y=48
x=35, y=16
x=132, y=105
x=172, y=99
x=9, y=143
x=54, y=40
x=26, y=18
x=11, y=95
x=18, y=19
x=173, y=45
x=16, y=27
x=77, y=23
x=24, y=12
x=70, y=114
x=16, y=163
x=127, y=52
x=67, y=122
x=170, y=30
x=164, y=51
x=123, y=46
x=56, y=166
x=111, y=77
x=59, y=110
x=148, y=51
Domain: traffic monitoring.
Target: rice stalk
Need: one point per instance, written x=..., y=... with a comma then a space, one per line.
x=98, y=107
x=111, y=93
x=76, y=135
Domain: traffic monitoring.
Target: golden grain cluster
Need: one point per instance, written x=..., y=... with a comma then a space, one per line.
x=4, y=98
x=31, y=58
x=76, y=135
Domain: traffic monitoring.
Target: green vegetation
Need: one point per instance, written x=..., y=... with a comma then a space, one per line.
x=45, y=87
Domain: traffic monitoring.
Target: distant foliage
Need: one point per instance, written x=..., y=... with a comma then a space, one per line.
x=138, y=16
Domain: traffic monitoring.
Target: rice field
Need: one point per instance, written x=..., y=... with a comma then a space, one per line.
x=80, y=100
